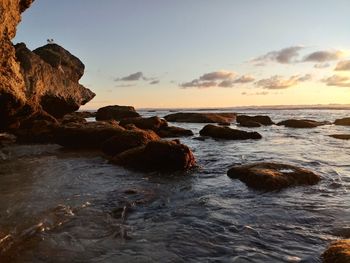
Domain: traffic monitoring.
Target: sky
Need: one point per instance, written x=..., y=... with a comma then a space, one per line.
x=201, y=53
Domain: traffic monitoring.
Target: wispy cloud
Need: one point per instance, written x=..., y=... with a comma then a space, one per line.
x=284, y=56
x=278, y=82
x=132, y=77
x=223, y=79
x=323, y=56
x=154, y=82
x=322, y=65
x=337, y=80
x=343, y=66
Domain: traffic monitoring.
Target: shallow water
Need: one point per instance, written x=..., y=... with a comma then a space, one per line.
x=65, y=206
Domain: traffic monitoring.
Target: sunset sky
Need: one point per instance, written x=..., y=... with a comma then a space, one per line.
x=201, y=53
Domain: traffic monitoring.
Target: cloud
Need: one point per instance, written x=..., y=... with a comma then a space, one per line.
x=259, y=93
x=343, y=66
x=338, y=81
x=322, y=65
x=278, y=82
x=284, y=56
x=323, y=56
x=223, y=79
x=198, y=84
x=154, y=82
x=132, y=77
x=218, y=75
x=124, y=85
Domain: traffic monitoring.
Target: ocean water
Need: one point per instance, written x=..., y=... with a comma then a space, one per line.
x=73, y=206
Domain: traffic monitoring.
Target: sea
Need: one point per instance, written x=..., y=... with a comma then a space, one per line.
x=59, y=205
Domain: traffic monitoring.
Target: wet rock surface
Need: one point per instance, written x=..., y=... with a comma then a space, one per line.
x=165, y=156
x=341, y=136
x=342, y=122
x=302, y=123
x=116, y=112
x=337, y=252
x=272, y=176
x=227, y=133
x=196, y=117
x=253, y=121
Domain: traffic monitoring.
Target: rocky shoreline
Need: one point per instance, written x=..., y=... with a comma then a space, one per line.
x=40, y=95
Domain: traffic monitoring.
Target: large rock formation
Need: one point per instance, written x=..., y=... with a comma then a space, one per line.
x=33, y=83
x=51, y=75
x=116, y=112
x=12, y=91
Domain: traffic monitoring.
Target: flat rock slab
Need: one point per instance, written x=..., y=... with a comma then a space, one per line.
x=202, y=117
x=272, y=176
x=341, y=136
x=343, y=122
x=337, y=252
x=227, y=133
x=302, y=123
x=253, y=121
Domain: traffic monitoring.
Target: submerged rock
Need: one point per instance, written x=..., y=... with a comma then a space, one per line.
x=151, y=123
x=341, y=136
x=86, y=135
x=302, y=123
x=343, y=122
x=272, y=176
x=6, y=139
x=194, y=117
x=337, y=252
x=227, y=133
x=157, y=156
x=253, y=121
x=116, y=112
x=172, y=131
x=128, y=139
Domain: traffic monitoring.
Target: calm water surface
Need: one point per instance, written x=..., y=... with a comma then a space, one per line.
x=65, y=206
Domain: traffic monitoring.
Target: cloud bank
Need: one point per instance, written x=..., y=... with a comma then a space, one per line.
x=338, y=81
x=278, y=82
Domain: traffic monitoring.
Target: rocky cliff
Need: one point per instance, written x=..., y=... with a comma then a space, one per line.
x=34, y=83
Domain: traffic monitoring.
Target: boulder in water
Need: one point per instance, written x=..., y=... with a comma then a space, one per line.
x=202, y=117
x=337, y=252
x=152, y=123
x=302, y=123
x=172, y=131
x=116, y=112
x=343, y=122
x=157, y=156
x=272, y=176
x=253, y=121
x=227, y=133
x=341, y=136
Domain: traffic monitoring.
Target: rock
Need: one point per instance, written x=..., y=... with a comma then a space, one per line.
x=341, y=136
x=227, y=133
x=272, y=176
x=51, y=76
x=38, y=131
x=116, y=112
x=12, y=87
x=151, y=123
x=157, y=156
x=337, y=252
x=86, y=135
x=253, y=121
x=192, y=117
x=301, y=123
x=128, y=139
x=172, y=131
x=6, y=139
x=343, y=122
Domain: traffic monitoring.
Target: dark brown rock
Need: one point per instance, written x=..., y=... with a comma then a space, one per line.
x=157, y=156
x=227, y=133
x=6, y=139
x=128, y=139
x=343, y=122
x=116, y=112
x=193, y=117
x=272, y=176
x=172, y=131
x=86, y=135
x=253, y=121
x=151, y=123
x=341, y=136
x=337, y=252
x=302, y=123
